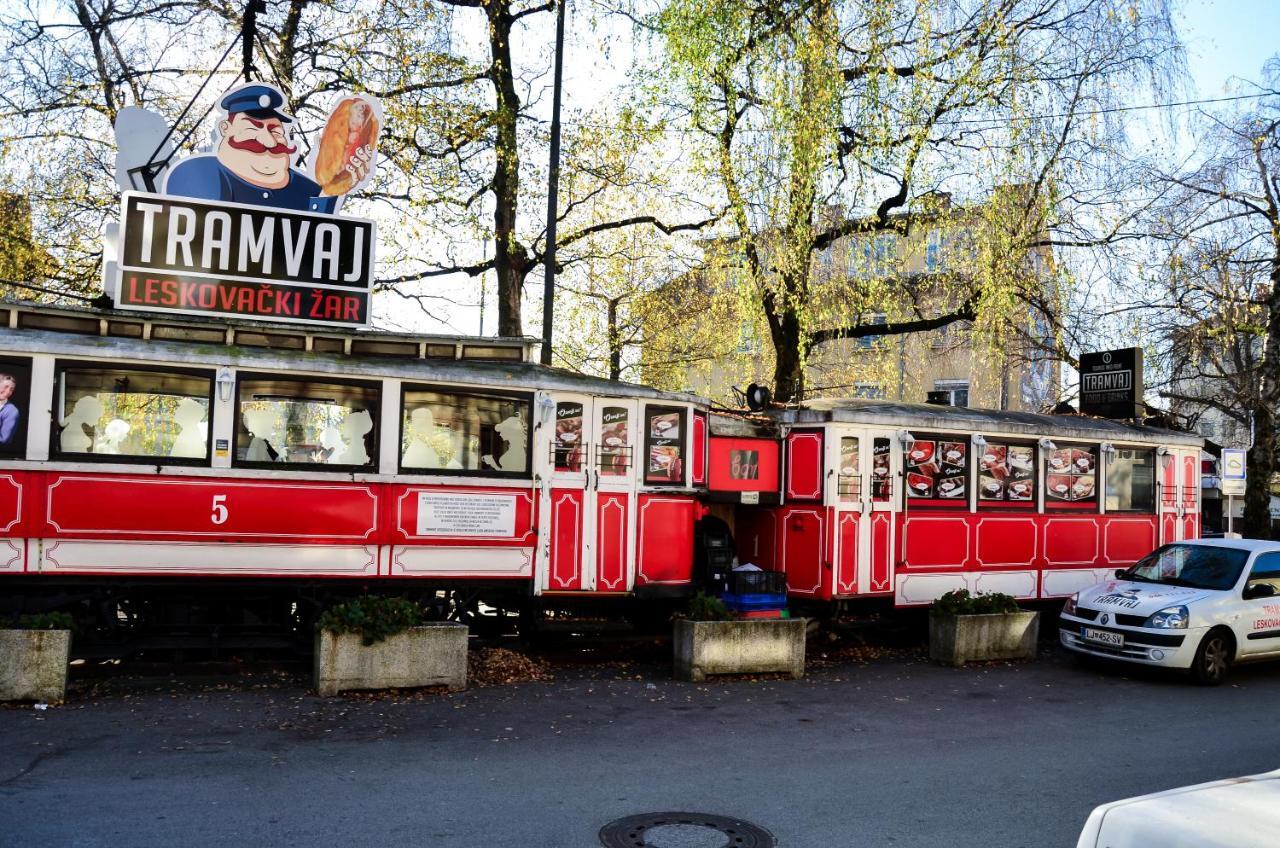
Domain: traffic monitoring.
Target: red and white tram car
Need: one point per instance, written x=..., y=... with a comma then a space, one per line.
x=154, y=448
x=874, y=498
x=142, y=450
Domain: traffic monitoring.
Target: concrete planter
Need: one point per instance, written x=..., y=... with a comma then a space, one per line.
x=430, y=655
x=957, y=639
x=33, y=665
x=738, y=647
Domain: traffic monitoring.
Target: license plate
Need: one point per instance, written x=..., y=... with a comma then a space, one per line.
x=1103, y=637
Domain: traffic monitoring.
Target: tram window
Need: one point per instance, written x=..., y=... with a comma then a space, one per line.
x=133, y=412
x=291, y=421
x=1071, y=478
x=664, y=443
x=937, y=470
x=465, y=432
x=15, y=405
x=1131, y=481
x=1007, y=475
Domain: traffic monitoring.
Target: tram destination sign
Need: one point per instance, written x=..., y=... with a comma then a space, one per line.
x=1111, y=383
x=204, y=258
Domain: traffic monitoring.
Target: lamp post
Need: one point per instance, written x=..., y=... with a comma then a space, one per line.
x=553, y=192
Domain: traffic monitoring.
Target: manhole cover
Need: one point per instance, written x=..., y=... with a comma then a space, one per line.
x=684, y=830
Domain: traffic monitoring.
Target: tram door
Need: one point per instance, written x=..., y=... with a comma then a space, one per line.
x=590, y=500
x=1179, y=496
x=865, y=467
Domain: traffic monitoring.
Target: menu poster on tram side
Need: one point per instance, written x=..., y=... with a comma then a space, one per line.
x=1071, y=476
x=568, y=445
x=881, y=470
x=1006, y=473
x=614, y=440
x=937, y=469
x=664, y=438
x=15, y=405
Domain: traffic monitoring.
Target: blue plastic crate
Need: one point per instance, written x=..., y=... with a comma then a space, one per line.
x=755, y=601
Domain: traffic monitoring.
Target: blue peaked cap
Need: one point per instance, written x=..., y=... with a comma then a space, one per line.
x=256, y=101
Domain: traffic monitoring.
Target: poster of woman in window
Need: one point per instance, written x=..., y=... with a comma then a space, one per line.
x=15, y=392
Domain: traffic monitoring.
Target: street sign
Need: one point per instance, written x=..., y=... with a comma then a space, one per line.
x=1111, y=383
x=1233, y=464
x=1233, y=488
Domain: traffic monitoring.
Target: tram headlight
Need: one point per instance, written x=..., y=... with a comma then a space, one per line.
x=1169, y=618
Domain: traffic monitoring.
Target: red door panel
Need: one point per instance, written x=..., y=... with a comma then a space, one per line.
x=611, y=541
x=566, y=540
x=847, y=552
x=665, y=548
x=698, y=467
x=100, y=506
x=881, y=551
x=802, y=551
x=804, y=465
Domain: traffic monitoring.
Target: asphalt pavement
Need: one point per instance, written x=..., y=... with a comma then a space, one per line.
x=891, y=752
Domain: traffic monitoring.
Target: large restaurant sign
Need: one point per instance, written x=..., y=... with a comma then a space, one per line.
x=1111, y=383
x=241, y=232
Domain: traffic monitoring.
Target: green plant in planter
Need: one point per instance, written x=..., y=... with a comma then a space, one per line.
x=43, y=621
x=374, y=617
x=704, y=607
x=960, y=602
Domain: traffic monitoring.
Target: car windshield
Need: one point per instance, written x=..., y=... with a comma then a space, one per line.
x=1197, y=566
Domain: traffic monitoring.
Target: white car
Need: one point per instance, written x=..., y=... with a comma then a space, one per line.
x=1200, y=606
x=1243, y=812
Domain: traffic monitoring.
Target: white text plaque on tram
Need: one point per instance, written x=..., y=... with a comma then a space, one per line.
x=466, y=514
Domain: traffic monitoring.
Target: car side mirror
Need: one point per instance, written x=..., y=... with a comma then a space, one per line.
x=1259, y=590
x=1120, y=572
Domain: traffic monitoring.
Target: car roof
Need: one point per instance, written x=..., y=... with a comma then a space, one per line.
x=1250, y=545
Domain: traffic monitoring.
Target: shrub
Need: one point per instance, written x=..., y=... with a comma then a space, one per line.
x=374, y=617
x=704, y=607
x=43, y=621
x=960, y=602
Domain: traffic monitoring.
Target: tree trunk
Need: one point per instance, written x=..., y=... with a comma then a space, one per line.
x=615, y=342
x=1261, y=463
x=510, y=259
x=788, y=365
x=1262, y=453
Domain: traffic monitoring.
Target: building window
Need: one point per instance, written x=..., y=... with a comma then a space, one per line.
x=748, y=341
x=465, y=432
x=953, y=392
x=1131, y=481
x=874, y=391
x=132, y=412
x=306, y=422
x=935, y=258
x=868, y=342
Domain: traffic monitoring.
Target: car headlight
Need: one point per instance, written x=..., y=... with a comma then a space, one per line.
x=1069, y=608
x=1173, y=618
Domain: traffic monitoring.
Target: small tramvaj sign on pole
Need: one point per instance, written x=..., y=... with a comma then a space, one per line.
x=1235, y=475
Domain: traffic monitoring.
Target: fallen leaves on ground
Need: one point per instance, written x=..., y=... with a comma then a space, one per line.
x=501, y=667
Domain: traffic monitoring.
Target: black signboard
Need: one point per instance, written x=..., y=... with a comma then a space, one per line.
x=1111, y=383
x=196, y=257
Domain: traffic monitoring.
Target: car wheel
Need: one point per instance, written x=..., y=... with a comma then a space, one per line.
x=1213, y=659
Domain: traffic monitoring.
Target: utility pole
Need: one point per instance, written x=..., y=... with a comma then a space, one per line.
x=553, y=192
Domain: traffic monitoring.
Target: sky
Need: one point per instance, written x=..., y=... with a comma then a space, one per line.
x=1228, y=39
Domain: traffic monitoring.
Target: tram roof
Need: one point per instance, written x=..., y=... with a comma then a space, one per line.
x=969, y=419
x=484, y=373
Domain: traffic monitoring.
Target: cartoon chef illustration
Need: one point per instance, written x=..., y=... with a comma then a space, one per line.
x=253, y=158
